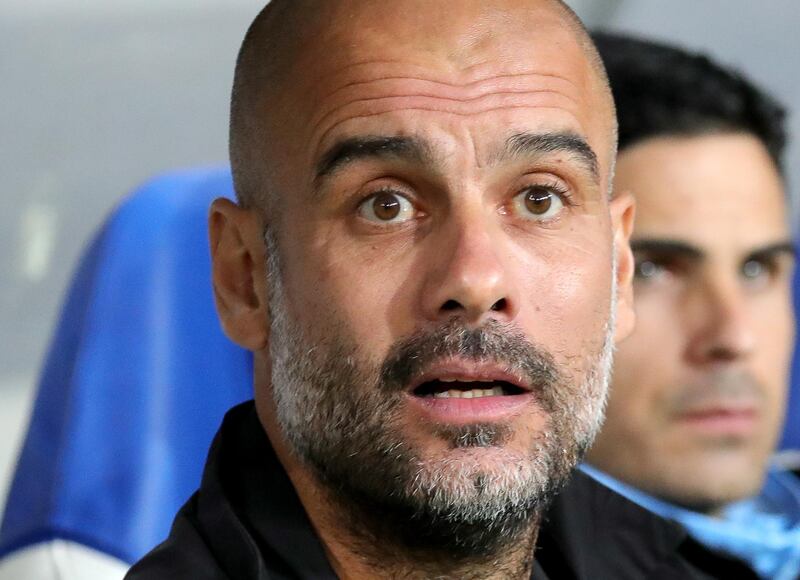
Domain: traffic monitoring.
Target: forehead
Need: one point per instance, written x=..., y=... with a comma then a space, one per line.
x=714, y=190
x=453, y=37
x=487, y=69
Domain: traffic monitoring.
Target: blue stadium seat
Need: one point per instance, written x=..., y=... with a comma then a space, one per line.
x=791, y=432
x=138, y=377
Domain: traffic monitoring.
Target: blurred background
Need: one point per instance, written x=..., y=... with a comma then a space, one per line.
x=95, y=97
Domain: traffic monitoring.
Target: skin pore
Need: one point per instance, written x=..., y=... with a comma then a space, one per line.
x=699, y=388
x=436, y=214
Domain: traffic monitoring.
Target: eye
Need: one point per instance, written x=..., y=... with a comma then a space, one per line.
x=386, y=207
x=764, y=268
x=754, y=269
x=654, y=269
x=647, y=269
x=538, y=202
x=759, y=272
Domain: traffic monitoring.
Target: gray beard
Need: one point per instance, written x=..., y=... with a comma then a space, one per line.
x=341, y=417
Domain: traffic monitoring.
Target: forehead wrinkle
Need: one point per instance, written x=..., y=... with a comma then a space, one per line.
x=421, y=76
x=456, y=103
x=423, y=85
x=498, y=84
x=465, y=99
x=328, y=131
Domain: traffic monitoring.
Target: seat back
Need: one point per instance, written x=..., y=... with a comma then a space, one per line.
x=137, y=379
x=791, y=430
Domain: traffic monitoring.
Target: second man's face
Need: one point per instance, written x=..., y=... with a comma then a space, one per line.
x=698, y=393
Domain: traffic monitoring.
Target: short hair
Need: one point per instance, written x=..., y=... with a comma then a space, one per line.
x=663, y=90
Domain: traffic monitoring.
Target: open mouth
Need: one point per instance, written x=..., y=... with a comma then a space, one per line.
x=463, y=392
x=465, y=389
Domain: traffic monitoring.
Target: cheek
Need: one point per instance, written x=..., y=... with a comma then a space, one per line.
x=648, y=363
x=774, y=323
x=658, y=334
x=774, y=327
x=641, y=385
x=565, y=299
x=342, y=287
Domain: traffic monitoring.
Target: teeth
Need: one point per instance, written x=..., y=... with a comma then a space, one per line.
x=472, y=394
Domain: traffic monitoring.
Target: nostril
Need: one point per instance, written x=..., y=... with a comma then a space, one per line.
x=451, y=305
x=499, y=305
x=723, y=353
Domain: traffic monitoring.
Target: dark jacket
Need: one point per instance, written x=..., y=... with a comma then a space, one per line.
x=246, y=522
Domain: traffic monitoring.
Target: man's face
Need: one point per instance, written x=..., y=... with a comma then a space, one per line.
x=441, y=284
x=698, y=391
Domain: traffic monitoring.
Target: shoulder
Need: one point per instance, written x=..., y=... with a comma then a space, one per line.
x=184, y=555
x=594, y=532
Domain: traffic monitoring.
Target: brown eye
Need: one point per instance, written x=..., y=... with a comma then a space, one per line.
x=538, y=203
x=386, y=207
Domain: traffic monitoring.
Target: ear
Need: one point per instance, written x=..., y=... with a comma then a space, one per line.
x=623, y=211
x=238, y=273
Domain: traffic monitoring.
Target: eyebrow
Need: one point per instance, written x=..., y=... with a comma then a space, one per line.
x=785, y=247
x=349, y=150
x=678, y=248
x=536, y=144
x=414, y=149
x=667, y=248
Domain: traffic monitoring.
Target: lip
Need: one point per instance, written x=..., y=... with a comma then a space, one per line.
x=454, y=411
x=730, y=420
x=462, y=370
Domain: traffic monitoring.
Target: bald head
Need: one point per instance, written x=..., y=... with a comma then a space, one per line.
x=292, y=43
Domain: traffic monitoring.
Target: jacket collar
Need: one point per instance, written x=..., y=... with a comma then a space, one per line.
x=251, y=504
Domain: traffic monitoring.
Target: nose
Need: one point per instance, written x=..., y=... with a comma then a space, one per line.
x=469, y=276
x=724, y=332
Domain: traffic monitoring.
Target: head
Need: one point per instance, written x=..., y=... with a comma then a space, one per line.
x=699, y=387
x=423, y=256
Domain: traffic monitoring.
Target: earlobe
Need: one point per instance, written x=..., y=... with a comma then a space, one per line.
x=238, y=276
x=623, y=210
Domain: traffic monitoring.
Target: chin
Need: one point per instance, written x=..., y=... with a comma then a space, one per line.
x=710, y=486
x=479, y=460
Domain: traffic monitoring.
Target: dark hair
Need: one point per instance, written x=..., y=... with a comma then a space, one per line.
x=663, y=90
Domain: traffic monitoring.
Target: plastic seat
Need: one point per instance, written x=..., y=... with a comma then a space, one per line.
x=138, y=377
x=791, y=432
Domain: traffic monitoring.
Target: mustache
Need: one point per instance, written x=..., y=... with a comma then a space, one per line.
x=725, y=387
x=495, y=342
